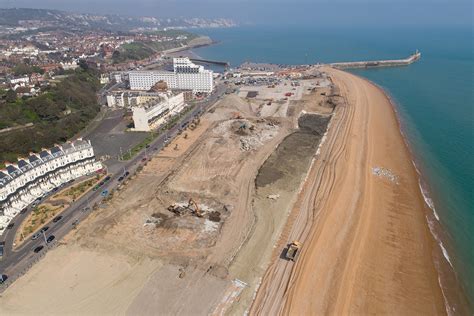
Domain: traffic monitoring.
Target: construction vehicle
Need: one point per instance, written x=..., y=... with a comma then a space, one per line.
x=237, y=116
x=293, y=250
x=181, y=210
x=192, y=205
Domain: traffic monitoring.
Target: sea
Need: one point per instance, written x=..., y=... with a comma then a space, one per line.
x=434, y=100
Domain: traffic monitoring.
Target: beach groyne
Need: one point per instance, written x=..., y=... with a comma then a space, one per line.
x=378, y=63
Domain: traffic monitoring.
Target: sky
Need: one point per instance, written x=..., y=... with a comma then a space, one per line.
x=280, y=12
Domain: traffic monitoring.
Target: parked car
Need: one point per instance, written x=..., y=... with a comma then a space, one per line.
x=104, y=193
x=44, y=229
x=107, y=178
x=10, y=226
x=50, y=239
x=120, y=179
x=57, y=219
x=127, y=173
x=3, y=278
x=35, y=236
x=38, y=249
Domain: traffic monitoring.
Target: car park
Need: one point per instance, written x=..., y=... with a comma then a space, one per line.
x=38, y=249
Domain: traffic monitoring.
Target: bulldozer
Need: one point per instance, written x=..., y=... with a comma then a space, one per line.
x=293, y=250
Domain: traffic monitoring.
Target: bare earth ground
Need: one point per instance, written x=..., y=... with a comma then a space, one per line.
x=134, y=256
x=366, y=246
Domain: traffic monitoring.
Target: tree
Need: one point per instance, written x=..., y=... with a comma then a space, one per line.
x=11, y=96
x=83, y=64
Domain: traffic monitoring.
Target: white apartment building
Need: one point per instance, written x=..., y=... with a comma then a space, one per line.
x=130, y=98
x=22, y=81
x=28, y=179
x=185, y=76
x=69, y=65
x=155, y=112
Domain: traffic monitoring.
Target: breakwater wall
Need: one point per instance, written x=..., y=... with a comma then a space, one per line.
x=378, y=63
x=207, y=61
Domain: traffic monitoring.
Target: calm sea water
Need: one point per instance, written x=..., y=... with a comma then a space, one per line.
x=434, y=98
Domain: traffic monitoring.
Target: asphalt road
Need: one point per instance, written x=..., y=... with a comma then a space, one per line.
x=15, y=262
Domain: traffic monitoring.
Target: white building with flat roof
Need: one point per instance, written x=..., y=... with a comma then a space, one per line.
x=185, y=76
x=30, y=178
x=156, y=112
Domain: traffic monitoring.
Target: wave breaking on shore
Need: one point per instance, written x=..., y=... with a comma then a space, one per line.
x=433, y=219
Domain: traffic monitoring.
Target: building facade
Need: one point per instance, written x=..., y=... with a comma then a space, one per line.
x=185, y=76
x=130, y=98
x=155, y=112
x=30, y=178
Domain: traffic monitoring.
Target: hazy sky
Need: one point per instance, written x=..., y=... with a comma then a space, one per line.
x=317, y=12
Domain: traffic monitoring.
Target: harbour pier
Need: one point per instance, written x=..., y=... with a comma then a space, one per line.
x=378, y=63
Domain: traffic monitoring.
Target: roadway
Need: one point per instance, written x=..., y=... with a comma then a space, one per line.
x=16, y=262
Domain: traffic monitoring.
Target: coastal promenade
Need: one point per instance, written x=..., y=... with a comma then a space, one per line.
x=361, y=220
x=378, y=63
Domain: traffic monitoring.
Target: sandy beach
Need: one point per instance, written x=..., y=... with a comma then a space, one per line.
x=367, y=248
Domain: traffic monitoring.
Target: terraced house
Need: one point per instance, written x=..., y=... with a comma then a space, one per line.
x=30, y=178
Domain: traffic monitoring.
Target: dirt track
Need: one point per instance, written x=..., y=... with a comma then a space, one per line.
x=366, y=245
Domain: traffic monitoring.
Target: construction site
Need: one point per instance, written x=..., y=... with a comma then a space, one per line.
x=193, y=231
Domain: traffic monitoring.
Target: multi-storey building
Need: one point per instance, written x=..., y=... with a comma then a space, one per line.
x=30, y=178
x=155, y=112
x=186, y=76
x=130, y=98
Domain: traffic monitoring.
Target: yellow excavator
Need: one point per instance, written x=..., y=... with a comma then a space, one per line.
x=192, y=205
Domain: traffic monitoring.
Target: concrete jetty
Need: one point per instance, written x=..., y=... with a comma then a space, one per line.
x=208, y=61
x=378, y=63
